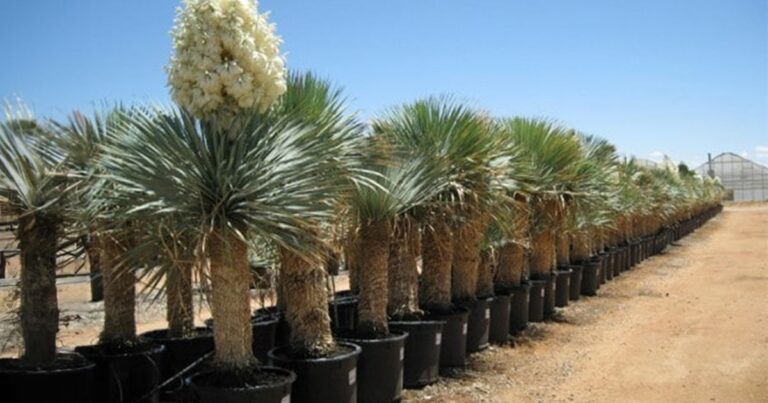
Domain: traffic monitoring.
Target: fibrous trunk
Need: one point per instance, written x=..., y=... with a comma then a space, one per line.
x=509, y=268
x=467, y=239
x=436, y=255
x=373, y=257
x=119, y=293
x=230, y=300
x=403, y=273
x=581, y=246
x=485, y=273
x=563, y=249
x=93, y=250
x=179, y=308
x=542, y=253
x=39, y=304
x=351, y=260
x=305, y=305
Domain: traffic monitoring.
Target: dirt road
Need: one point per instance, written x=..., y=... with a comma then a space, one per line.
x=690, y=325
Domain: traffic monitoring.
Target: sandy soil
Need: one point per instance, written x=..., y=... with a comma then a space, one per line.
x=690, y=325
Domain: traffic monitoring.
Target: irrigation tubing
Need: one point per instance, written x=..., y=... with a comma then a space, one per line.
x=174, y=377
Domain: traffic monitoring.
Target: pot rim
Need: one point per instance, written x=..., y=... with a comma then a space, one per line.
x=198, y=335
x=86, y=365
x=290, y=380
x=356, y=350
x=425, y=322
x=394, y=335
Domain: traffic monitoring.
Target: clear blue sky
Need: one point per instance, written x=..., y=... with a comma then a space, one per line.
x=684, y=77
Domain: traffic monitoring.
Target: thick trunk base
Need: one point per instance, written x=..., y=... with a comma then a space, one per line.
x=230, y=301
x=39, y=304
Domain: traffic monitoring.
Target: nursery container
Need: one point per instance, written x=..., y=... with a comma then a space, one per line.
x=589, y=280
x=601, y=271
x=180, y=352
x=70, y=379
x=422, y=351
x=380, y=367
x=343, y=311
x=608, y=265
x=498, y=332
x=575, y=282
x=276, y=388
x=321, y=380
x=125, y=374
x=453, y=350
x=282, y=332
x=563, y=287
x=536, y=301
x=478, y=324
x=549, y=295
x=264, y=329
x=519, y=308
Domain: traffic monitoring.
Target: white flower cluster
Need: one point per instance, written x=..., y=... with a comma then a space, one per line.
x=226, y=58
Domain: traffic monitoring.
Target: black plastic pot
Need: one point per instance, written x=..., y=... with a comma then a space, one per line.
x=422, y=351
x=380, y=367
x=621, y=258
x=180, y=352
x=498, y=330
x=343, y=311
x=601, y=272
x=634, y=247
x=617, y=262
x=126, y=376
x=563, y=287
x=453, y=350
x=264, y=334
x=520, y=311
x=549, y=295
x=478, y=325
x=320, y=380
x=575, y=282
x=283, y=331
x=277, y=391
x=69, y=380
x=589, y=280
x=264, y=331
x=608, y=265
x=536, y=300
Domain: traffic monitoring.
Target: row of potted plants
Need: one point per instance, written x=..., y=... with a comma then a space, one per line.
x=450, y=222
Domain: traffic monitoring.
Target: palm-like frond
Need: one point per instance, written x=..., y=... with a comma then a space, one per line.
x=401, y=183
x=275, y=181
x=550, y=151
x=443, y=130
x=32, y=177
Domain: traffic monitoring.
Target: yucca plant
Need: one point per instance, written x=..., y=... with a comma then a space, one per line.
x=594, y=204
x=443, y=130
x=382, y=213
x=264, y=181
x=551, y=153
x=318, y=105
x=34, y=187
x=108, y=236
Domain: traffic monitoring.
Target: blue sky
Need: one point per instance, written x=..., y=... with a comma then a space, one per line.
x=682, y=77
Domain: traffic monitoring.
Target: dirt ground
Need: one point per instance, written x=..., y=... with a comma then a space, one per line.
x=690, y=325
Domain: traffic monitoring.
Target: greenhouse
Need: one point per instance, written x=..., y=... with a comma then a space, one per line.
x=742, y=178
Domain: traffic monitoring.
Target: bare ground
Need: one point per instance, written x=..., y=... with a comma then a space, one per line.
x=690, y=325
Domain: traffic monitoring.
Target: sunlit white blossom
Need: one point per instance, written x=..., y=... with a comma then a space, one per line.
x=226, y=58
